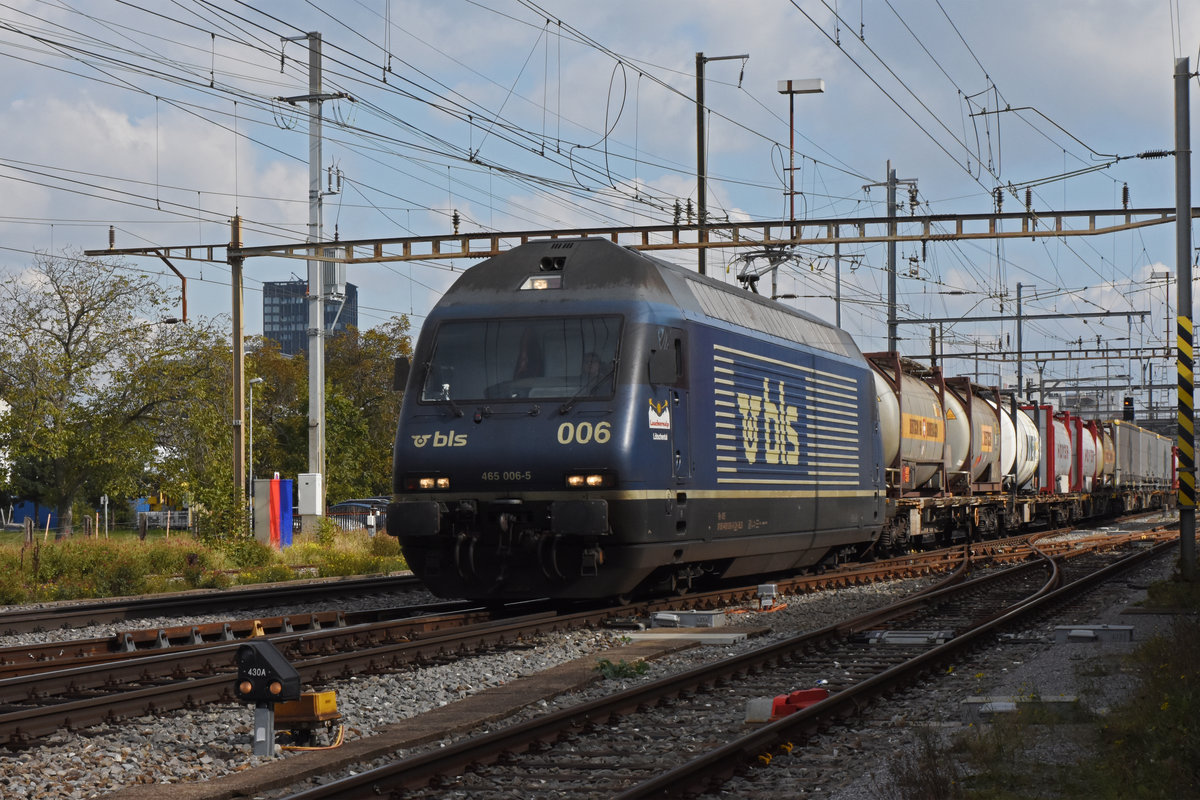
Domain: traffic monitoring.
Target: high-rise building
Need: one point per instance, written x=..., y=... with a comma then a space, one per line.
x=285, y=314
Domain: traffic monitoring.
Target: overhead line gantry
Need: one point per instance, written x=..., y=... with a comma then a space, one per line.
x=780, y=234
x=720, y=235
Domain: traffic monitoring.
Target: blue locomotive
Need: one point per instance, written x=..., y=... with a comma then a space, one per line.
x=583, y=420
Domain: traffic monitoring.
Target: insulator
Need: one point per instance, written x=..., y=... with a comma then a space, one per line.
x=1028, y=200
x=912, y=198
x=678, y=212
x=112, y=237
x=690, y=213
x=455, y=219
x=1125, y=196
x=999, y=199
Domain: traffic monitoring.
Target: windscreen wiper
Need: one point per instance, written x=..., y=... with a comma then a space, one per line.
x=445, y=398
x=588, y=389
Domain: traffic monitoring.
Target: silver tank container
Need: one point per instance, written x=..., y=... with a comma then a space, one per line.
x=912, y=424
x=982, y=431
x=1019, y=445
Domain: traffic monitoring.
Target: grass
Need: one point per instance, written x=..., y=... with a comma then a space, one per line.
x=16, y=538
x=122, y=564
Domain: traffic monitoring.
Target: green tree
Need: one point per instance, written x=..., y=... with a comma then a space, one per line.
x=193, y=433
x=361, y=408
x=280, y=409
x=82, y=364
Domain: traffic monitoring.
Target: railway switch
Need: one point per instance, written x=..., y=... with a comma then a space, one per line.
x=265, y=677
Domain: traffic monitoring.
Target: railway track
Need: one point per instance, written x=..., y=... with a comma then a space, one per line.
x=44, y=688
x=75, y=684
x=108, y=687
x=27, y=658
x=626, y=745
x=123, y=609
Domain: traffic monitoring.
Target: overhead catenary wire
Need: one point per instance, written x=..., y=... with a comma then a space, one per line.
x=421, y=153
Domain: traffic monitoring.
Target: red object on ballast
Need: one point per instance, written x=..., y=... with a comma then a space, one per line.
x=791, y=703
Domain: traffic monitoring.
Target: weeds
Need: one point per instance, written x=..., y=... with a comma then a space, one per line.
x=270, y=573
x=925, y=772
x=621, y=669
x=1152, y=744
x=1173, y=594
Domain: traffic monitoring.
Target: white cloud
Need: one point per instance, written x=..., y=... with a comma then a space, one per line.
x=1099, y=69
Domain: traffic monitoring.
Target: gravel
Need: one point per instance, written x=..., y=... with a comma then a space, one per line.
x=190, y=746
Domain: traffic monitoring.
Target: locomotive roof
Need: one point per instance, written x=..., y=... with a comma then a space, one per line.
x=597, y=269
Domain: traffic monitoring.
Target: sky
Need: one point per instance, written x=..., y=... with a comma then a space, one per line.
x=163, y=120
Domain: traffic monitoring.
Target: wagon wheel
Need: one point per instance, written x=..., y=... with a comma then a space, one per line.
x=886, y=541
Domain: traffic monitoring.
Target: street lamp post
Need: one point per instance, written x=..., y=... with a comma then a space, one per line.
x=252, y=383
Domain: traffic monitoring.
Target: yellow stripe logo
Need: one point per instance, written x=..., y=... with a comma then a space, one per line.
x=925, y=429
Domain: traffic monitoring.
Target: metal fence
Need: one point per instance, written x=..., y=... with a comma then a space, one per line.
x=163, y=519
x=372, y=521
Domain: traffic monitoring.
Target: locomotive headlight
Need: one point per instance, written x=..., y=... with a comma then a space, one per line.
x=590, y=480
x=427, y=483
x=542, y=282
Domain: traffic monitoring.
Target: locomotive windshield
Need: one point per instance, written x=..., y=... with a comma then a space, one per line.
x=498, y=359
